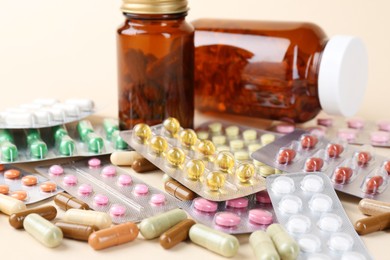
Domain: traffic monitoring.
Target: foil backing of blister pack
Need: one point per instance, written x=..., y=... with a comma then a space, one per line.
x=308, y=207
x=34, y=193
x=137, y=207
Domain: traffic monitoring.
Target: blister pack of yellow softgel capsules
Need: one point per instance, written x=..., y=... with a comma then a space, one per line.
x=195, y=163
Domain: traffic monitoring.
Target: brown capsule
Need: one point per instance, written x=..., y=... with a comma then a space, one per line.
x=113, y=236
x=373, y=207
x=143, y=165
x=66, y=201
x=176, y=234
x=179, y=191
x=47, y=212
x=373, y=223
x=76, y=231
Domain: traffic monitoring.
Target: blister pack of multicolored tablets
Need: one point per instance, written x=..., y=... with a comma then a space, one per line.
x=354, y=170
x=46, y=113
x=357, y=130
x=80, y=138
x=308, y=207
x=236, y=216
x=108, y=188
x=215, y=176
x=24, y=186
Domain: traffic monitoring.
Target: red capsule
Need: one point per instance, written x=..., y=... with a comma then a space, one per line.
x=286, y=156
x=373, y=184
x=314, y=164
x=334, y=150
x=342, y=175
x=309, y=141
x=387, y=167
x=363, y=158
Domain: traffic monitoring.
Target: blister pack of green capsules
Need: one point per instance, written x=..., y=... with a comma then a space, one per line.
x=82, y=138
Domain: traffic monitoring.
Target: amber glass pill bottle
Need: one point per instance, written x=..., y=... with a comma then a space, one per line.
x=155, y=63
x=277, y=70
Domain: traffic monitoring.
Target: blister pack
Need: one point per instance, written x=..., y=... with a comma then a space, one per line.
x=80, y=138
x=236, y=216
x=215, y=176
x=46, y=113
x=308, y=207
x=356, y=171
x=108, y=188
x=27, y=187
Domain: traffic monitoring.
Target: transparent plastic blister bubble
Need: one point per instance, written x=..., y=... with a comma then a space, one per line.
x=236, y=216
x=80, y=138
x=27, y=187
x=195, y=163
x=308, y=207
x=46, y=112
x=108, y=188
x=354, y=170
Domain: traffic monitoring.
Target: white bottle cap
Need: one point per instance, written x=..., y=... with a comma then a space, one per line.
x=343, y=75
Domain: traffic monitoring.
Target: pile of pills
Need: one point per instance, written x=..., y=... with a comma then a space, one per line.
x=26, y=187
x=357, y=171
x=307, y=205
x=194, y=162
x=107, y=188
x=236, y=216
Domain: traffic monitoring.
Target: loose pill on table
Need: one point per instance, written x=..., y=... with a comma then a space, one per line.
x=9, y=205
x=76, y=231
x=286, y=156
x=178, y=190
x=195, y=169
x=65, y=201
x=88, y=217
x=314, y=164
x=19, y=195
x=4, y=189
x=125, y=180
x=342, y=175
x=56, y=170
x=238, y=203
x=43, y=230
x=141, y=189
x=48, y=186
x=286, y=246
x=85, y=189
x=29, y=180
x=47, y=212
x=70, y=180
x=227, y=219
x=309, y=141
x=12, y=174
x=262, y=246
x=124, y=158
x=143, y=165
x=260, y=216
x=94, y=162
x=117, y=210
x=204, y=205
x=334, y=150
x=214, y=240
x=172, y=126
x=373, y=184
x=372, y=224
x=153, y=227
x=373, y=207
x=176, y=234
x=113, y=236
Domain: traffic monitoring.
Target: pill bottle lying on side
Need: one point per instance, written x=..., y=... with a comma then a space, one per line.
x=277, y=70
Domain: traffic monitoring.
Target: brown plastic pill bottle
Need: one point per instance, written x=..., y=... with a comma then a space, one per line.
x=155, y=63
x=277, y=70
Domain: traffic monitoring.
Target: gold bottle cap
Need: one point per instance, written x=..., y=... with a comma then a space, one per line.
x=154, y=6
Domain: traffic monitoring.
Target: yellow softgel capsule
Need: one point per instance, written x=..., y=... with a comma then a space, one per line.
x=225, y=161
x=206, y=147
x=142, y=133
x=188, y=138
x=195, y=169
x=176, y=156
x=158, y=144
x=172, y=125
x=245, y=172
x=215, y=180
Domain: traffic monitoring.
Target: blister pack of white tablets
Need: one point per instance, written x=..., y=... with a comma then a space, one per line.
x=195, y=163
x=80, y=138
x=354, y=170
x=108, y=188
x=27, y=187
x=308, y=207
x=236, y=216
x=46, y=113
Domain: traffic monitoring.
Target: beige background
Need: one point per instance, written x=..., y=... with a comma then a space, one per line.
x=61, y=49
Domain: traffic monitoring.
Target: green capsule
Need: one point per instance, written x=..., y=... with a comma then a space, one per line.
x=66, y=146
x=154, y=226
x=43, y=230
x=38, y=149
x=287, y=247
x=32, y=136
x=5, y=135
x=95, y=143
x=110, y=126
x=262, y=246
x=214, y=240
x=84, y=127
x=59, y=132
x=9, y=152
x=118, y=141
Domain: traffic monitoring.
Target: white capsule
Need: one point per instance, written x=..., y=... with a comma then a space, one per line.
x=9, y=205
x=88, y=217
x=43, y=230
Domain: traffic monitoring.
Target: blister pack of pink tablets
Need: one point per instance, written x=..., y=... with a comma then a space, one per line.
x=236, y=216
x=354, y=170
x=308, y=207
x=46, y=112
x=24, y=186
x=194, y=162
x=357, y=130
x=108, y=188
x=81, y=138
